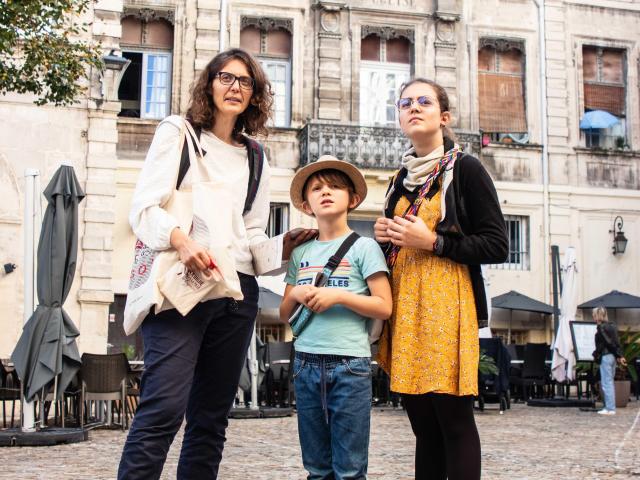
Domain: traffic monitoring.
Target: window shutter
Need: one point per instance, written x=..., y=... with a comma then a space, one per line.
x=604, y=97
x=131, y=31
x=370, y=48
x=250, y=39
x=603, y=73
x=159, y=35
x=501, y=93
x=399, y=50
x=279, y=43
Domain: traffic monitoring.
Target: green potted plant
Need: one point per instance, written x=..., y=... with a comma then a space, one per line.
x=129, y=350
x=630, y=342
x=487, y=364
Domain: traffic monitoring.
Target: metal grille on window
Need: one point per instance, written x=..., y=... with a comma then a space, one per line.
x=278, y=219
x=518, y=235
x=271, y=333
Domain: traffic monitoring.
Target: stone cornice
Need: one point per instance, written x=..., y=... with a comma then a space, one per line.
x=266, y=24
x=387, y=32
x=503, y=44
x=149, y=14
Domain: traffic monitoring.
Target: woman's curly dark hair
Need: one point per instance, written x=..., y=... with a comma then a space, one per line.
x=253, y=120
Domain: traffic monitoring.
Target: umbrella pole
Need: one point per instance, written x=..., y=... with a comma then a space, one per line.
x=253, y=367
x=31, y=194
x=509, y=331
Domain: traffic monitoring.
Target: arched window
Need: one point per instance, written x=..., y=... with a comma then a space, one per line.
x=501, y=92
x=385, y=64
x=270, y=41
x=145, y=89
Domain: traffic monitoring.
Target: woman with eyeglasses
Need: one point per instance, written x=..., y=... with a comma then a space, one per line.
x=192, y=364
x=442, y=222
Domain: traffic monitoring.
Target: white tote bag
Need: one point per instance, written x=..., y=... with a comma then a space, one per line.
x=211, y=228
x=149, y=266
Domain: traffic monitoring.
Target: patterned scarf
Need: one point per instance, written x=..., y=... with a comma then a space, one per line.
x=452, y=154
x=419, y=168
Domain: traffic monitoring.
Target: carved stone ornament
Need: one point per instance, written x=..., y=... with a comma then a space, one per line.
x=445, y=31
x=149, y=14
x=330, y=21
x=266, y=24
x=388, y=32
x=503, y=44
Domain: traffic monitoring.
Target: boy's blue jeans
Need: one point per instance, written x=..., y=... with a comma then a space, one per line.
x=333, y=399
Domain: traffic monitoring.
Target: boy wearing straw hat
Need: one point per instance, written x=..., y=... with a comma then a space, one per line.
x=332, y=367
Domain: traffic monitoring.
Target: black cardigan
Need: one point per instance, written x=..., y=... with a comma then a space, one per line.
x=473, y=230
x=607, y=341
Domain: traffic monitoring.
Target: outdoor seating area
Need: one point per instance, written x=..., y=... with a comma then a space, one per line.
x=106, y=390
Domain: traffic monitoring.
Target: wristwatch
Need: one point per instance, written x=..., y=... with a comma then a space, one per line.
x=438, y=245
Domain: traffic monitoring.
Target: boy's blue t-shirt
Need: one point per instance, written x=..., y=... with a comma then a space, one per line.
x=337, y=330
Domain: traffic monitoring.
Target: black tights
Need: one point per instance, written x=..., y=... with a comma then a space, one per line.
x=447, y=440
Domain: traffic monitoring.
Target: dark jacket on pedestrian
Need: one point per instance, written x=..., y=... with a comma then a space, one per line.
x=607, y=341
x=473, y=230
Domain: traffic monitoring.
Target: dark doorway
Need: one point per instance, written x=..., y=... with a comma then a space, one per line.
x=117, y=341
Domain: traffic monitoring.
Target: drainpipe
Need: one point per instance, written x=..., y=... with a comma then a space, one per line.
x=223, y=24
x=545, y=146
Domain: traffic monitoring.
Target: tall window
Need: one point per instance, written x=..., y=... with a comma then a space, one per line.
x=385, y=65
x=270, y=41
x=362, y=227
x=518, y=234
x=278, y=219
x=501, y=91
x=604, y=89
x=145, y=89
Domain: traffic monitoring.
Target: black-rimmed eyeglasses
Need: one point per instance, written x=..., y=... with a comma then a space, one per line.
x=226, y=78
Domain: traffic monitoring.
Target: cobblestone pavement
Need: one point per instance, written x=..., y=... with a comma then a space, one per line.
x=524, y=443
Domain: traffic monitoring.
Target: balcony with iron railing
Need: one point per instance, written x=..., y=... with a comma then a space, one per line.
x=367, y=147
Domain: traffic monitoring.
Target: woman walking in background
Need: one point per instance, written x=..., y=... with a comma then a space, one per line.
x=442, y=221
x=608, y=350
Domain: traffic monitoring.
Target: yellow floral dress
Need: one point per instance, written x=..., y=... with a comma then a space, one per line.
x=430, y=343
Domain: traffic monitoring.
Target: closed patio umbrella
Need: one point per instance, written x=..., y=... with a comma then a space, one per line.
x=46, y=351
x=564, y=359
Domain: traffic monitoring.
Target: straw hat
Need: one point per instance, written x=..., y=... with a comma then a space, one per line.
x=326, y=162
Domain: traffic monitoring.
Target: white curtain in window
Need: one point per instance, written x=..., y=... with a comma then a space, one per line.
x=379, y=87
x=279, y=74
x=156, y=85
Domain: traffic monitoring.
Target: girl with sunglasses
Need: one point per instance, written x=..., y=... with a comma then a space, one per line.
x=442, y=222
x=192, y=364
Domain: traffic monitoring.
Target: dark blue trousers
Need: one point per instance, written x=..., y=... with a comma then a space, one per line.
x=192, y=367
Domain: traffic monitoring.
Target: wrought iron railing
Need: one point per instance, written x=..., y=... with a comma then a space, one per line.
x=363, y=146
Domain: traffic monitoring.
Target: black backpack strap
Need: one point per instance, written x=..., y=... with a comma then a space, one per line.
x=255, y=155
x=184, y=157
x=337, y=257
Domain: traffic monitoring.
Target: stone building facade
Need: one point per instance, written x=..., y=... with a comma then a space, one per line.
x=519, y=87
